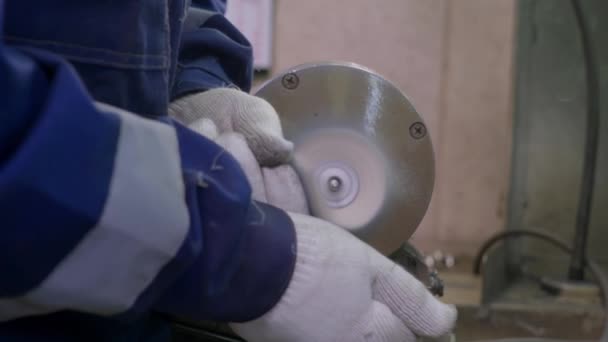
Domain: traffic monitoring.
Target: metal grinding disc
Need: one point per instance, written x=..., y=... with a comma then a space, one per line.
x=361, y=149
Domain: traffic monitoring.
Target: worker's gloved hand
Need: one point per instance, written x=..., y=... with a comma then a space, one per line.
x=284, y=189
x=279, y=186
x=343, y=290
x=237, y=111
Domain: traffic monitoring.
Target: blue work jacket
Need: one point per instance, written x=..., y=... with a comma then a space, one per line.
x=110, y=212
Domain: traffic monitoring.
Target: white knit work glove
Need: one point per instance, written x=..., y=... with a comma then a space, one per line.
x=279, y=186
x=234, y=110
x=343, y=290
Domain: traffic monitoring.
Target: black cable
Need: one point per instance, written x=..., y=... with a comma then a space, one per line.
x=577, y=263
x=515, y=233
x=594, y=268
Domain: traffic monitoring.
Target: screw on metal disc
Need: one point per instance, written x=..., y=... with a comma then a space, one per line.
x=290, y=81
x=418, y=130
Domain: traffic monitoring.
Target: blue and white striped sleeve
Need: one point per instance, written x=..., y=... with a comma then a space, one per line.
x=108, y=213
x=77, y=200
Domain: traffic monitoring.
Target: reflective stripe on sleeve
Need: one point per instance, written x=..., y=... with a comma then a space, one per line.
x=142, y=227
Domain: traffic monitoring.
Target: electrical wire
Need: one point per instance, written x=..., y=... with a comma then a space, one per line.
x=594, y=268
x=515, y=233
x=577, y=264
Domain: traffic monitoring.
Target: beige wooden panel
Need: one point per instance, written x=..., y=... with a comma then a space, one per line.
x=475, y=131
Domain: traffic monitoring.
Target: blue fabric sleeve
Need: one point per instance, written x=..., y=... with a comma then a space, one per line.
x=218, y=6
x=121, y=50
x=58, y=157
x=250, y=279
x=212, y=52
x=127, y=55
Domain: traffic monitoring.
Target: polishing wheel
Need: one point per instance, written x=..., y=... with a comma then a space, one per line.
x=361, y=149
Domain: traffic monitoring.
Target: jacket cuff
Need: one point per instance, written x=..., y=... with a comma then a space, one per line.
x=266, y=261
x=194, y=80
x=212, y=54
x=245, y=252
